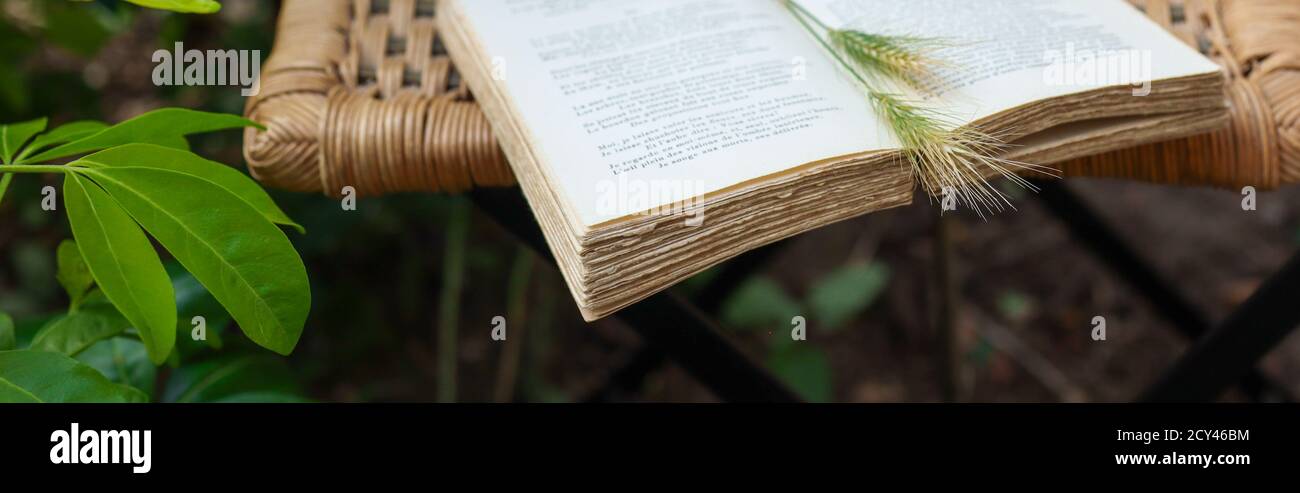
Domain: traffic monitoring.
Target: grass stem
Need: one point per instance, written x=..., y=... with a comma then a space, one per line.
x=517, y=317
x=453, y=277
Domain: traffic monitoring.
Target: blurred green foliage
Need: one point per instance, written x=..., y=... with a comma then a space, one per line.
x=760, y=303
x=835, y=299
x=846, y=292
x=1015, y=306
x=28, y=29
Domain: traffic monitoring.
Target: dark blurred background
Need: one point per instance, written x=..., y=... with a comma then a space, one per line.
x=381, y=278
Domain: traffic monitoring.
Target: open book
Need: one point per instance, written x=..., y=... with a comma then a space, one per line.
x=654, y=139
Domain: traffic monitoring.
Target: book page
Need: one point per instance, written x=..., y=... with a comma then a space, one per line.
x=1007, y=53
x=637, y=106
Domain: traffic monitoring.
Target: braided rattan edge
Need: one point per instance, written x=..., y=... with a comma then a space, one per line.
x=357, y=94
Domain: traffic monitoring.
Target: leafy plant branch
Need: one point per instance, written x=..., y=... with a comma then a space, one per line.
x=137, y=180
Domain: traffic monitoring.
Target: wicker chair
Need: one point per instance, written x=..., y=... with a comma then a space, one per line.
x=361, y=93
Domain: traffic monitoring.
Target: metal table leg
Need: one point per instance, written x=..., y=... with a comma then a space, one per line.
x=1106, y=244
x=1232, y=350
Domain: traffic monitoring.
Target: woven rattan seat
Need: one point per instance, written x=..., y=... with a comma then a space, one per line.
x=360, y=93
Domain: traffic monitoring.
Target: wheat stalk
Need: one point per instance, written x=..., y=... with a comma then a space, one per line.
x=944, y=156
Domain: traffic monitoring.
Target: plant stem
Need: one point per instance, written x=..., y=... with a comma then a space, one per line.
x=453, y=275
x=886, y=102
x=800, y=10
x=40, y=168
x=532, y=384
x=947, y=359
x=803, y=15
x=878, y=99
x=516, y=313
x=8, y=170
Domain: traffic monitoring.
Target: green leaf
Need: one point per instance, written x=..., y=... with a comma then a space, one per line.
x=27, y=328
x=760, y=303
x=62, y=135
x=8, y=340
x=40, y=376
x=806, y=370
x=73, y=273
x=844, y=294
x=194, y=300
x=14, y=135
x=226, y=377
x=82, y=30
x=123, y=263
x=245, y=261
x=183, y=6
x=1015, y=305
x=260, y=397
x=165, y=127
x=73, y=333
x=153, y=156
x=123, y=360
